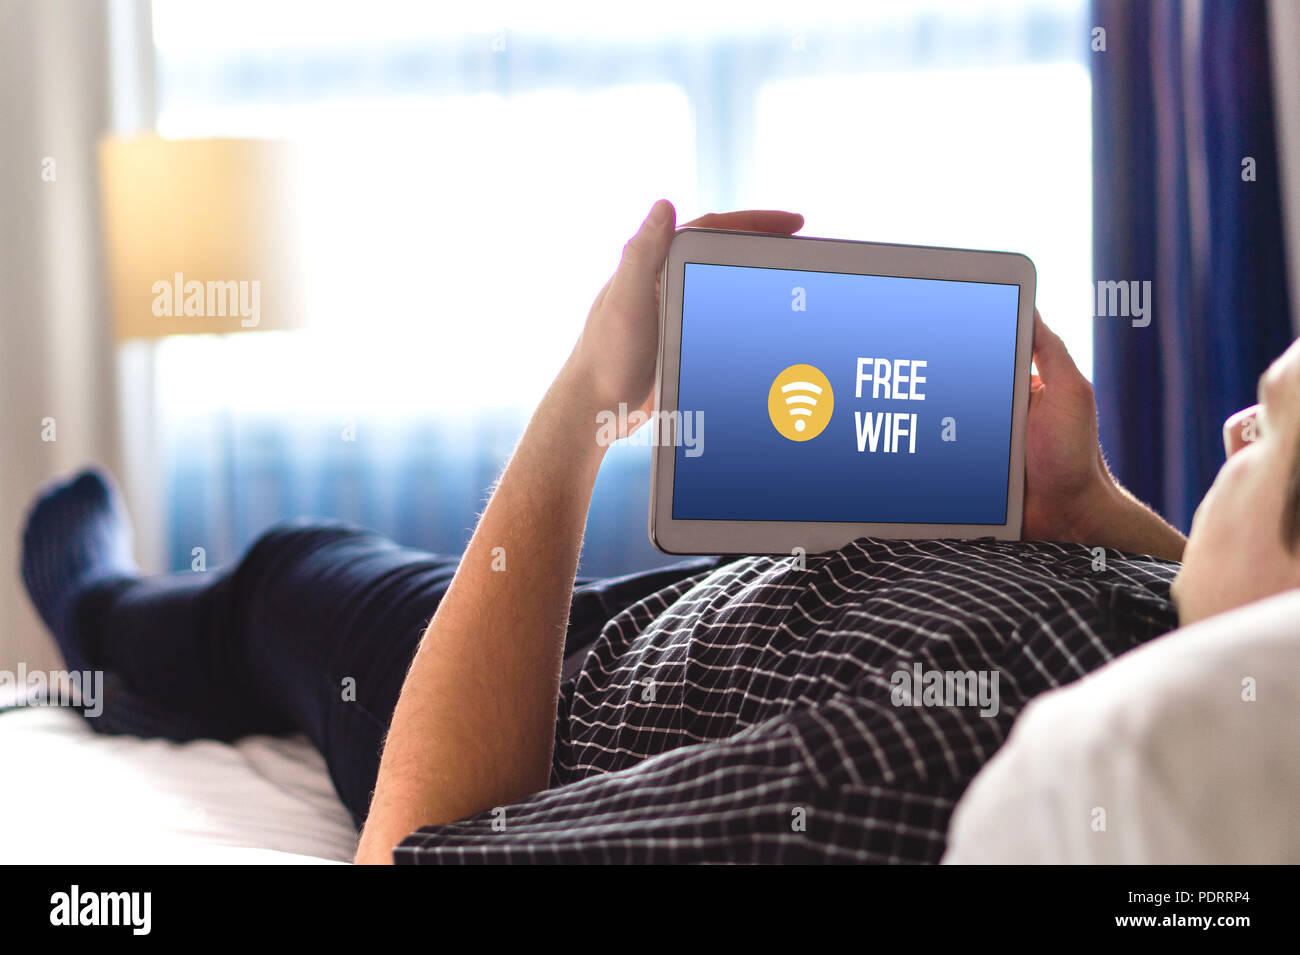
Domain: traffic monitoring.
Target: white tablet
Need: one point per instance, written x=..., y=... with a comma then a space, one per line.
x=813, y=391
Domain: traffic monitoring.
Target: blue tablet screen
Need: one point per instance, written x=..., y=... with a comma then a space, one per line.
x=823, y=396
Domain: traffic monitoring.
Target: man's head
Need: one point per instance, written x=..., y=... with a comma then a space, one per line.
x=1245, y=539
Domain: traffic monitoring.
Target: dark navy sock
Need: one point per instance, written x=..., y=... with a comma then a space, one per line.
x=78, y=537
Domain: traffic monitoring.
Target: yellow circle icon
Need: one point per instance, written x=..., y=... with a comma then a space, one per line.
x=800, y=403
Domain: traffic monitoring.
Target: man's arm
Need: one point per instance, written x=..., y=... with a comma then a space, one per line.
x=1070, y=494
x=475, y=720
x=1115, y=518
x=474, y=726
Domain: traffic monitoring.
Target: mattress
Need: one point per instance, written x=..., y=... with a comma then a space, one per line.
x=72, y=796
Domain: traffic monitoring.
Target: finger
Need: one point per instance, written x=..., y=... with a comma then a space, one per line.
x=1050, y=354
x=752, y=220
x=644, y=253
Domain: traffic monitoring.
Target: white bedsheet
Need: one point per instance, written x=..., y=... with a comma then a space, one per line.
x=71, y=796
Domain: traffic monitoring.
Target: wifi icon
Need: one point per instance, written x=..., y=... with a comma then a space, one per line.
x=800, y=402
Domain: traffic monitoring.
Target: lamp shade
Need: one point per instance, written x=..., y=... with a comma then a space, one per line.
x=202, y=235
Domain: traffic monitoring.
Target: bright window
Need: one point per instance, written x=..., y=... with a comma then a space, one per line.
x=976, y=158
x=473, y=171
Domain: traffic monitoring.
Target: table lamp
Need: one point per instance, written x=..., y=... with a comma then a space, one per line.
x=201, y=235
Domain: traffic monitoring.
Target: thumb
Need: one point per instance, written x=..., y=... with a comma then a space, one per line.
x=1051, y=356
x=644, y=253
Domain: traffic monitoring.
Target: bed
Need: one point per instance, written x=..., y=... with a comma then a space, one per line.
x=1189, y=746
x=88, y=798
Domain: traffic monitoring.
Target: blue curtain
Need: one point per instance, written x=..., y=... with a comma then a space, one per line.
x=419, y=481
x=1182, y=97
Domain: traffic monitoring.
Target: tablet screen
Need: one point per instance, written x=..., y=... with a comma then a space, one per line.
x=826, y=396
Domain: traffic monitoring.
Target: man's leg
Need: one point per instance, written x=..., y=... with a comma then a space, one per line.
x=313, y=630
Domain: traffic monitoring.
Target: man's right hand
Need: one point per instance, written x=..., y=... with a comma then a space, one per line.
x=1065, y=474
x=1070, y=494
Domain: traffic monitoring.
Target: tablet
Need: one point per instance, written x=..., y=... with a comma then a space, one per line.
x=813, y=391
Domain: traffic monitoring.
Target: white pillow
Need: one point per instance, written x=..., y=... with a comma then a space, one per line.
x=1157, y=757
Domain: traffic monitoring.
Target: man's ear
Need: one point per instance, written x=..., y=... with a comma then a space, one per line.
x=1240, y=429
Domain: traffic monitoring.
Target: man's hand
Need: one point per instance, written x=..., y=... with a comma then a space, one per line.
x=615, y=356
x=1065, y=475
x=1070, y=494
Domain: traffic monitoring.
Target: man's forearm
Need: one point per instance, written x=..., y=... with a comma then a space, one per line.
x=1115, y=518
x=474, y=724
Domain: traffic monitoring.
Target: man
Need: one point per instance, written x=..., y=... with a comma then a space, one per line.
x=708, y=712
